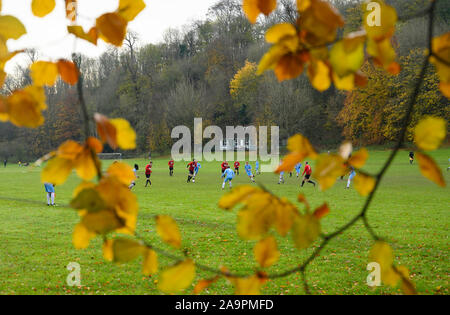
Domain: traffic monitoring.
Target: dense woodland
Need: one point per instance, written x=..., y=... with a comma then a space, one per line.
x=208, y=69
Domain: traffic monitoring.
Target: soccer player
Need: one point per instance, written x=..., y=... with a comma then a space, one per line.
x=148, y=173
x=171, y=164
x=229, y=175
x=257, y=168
x=197, y=168
x=224, y=166
x=191, y=166
x=5, y=162
x=248, y=170
x=236, y=167
x=351, y=176
x=298, y=168
x=411, y=158
x=135, y=169
x=307, y=173
x=50, y=191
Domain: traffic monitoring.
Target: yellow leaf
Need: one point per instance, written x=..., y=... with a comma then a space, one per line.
x=69, y=150
x=25, y=106
x=271, y=58
x=302, y=5
x=167, y=229
x=88, y=199
x=328, y=168
x=231, y=199
x=407, y=285
x=2, y=77
x=11, y=27
x=289, y=67
x=300, y=148
x=441, y=49
x=430, y=169
x=126, y=250
x=86, y=164
x=306, y=230
x=78, y=31
x=280, y=31
x=383, y=28
x=56, y=171
x=254, y=223
x=41, y=8
x=44, y=73
x=177, y=278
x=346, y=61
x=266, y=252
x=346, y=83
x=252, y=8
x=364, y=184
x=359, y=158
x=129, y=9
x=123, y=172
x=101, y=222
x=71, y=10
x=81, y=236
x=429, y=133
x=150, y=264
x=319, y=75
x=382, y=254
x=285, y=215
x=107, y=249
x=112, y=28
x=126, y=136
x=248, y=286
x=68, y=71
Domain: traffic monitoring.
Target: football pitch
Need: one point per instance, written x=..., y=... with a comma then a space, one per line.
x=410, y=212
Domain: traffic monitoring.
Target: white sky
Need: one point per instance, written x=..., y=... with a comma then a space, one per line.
x=49, y=34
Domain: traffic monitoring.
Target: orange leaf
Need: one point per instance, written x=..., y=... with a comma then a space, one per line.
x=430, y=170
x=322, y=211
x=112, y=28
x=68, y=71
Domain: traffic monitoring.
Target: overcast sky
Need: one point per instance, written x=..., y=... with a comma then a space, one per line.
x=49, y=34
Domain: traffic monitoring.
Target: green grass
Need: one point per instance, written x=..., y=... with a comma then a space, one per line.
x=410, y=212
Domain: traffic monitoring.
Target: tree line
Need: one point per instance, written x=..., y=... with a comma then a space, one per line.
x=208, y=69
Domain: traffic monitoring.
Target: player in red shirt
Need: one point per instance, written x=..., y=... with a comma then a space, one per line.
x=171, y=164
x=307, y=173
x=224, y=166
x=236, y=167
x=191, y=166
x=148, y=173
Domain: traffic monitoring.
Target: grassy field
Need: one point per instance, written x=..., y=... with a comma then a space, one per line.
x=409, y=211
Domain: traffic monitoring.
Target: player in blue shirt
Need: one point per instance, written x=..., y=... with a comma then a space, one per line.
x=257, y=168
x=248, y=170
x=228, y=175
x=352, y=175
x=281, y=180
x=198, y=167
x=298, y=168
x=50, y=190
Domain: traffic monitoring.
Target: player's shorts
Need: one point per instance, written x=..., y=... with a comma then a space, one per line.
x=352, y=175
x=191, y=172
x=228, y=179
x=249, y=174
x=170, y=168
x=307, y=176
x=236, y=168
x=148, y=175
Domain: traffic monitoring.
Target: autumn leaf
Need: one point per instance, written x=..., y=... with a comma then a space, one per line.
x=329, y=167
x=300, y=148
x=123, y=172
x=441, y=59
x=319, y=75
x=266, y=252
x=430, y=169
x=91, y=36
x=364, y=184
x=306, y=230
x=429, y=133
x=57, y=171
x=177, y=278
x=150, y=264
x=125, y=250
x=359, y=158
x=107, y=249
x=379, y=30
x=41, y=8
x=129, y=9
x=112, y=28
x=126, y=136
x=321, y=212
x=68, y=71
x=81, y=236
x=255, y=222
x=24, y=107
x=231, y=199
x=101, y=222
x=248, y=286
x=44, y=73
x=284, y=216
x=253, y=8
x=71, y=10
x=11, y=27
x=203, y=284
x=167, y=229
x=382, y=254
x=347, y=56
x=88, y=199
